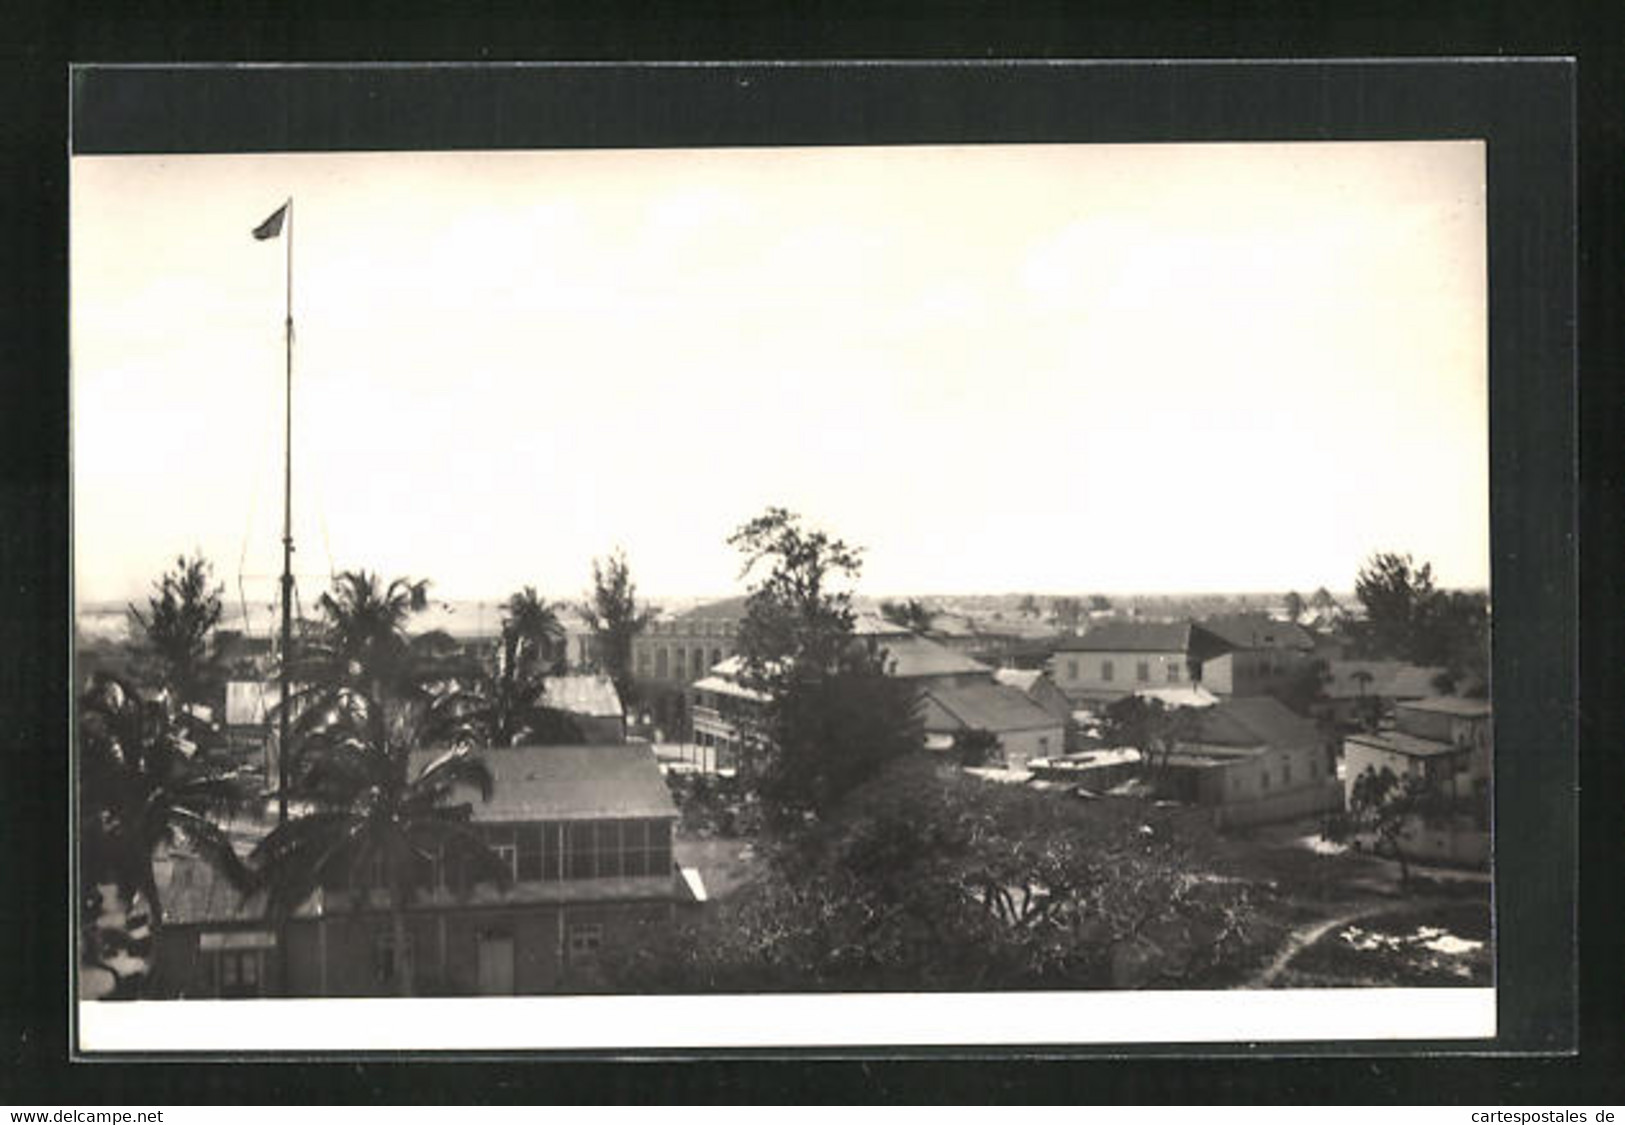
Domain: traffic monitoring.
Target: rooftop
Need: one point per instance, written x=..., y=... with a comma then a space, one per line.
x=582, y=695
x=602, y=782
x=1451, y=705
x=990, y=706
x=1132, y=636
x=1410, y=745
x=910, y=657
x=1257, y=630
x=1260, y=721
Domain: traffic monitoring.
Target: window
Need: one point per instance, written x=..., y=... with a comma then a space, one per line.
x=1173, y=671
x=1142, y=671
x=1106, y=670
x=585, y=938
x=1071, y=669
x=716, y=657
x=1264, y=780
x=607, y=843
x=661, y=670
x=1286, y=772
x=682, y=661
x=239, y=972
x=580, y=859
x=643, y=662
x=1235, y=783
x=699, y=661
x=634, y=861
x=501, y=841
x=1314, y=769
x=385, y=965
x=530, y=852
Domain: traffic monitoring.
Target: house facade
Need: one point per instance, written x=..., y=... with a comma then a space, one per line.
x=1447, y=742
x=1253, y=761
x=587, y=832
x=592, y=703
x=1024, y=730
x=1263, y=655
x=1118, y=658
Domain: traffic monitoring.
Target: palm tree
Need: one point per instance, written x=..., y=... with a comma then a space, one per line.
x=363, y=642
x=501, y=707
x=145, y=789
x=535, y=626
x=371, y=818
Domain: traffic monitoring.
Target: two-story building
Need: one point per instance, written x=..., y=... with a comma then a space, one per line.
x=1117, y=658
x=1446, y=741
x=1262, y=654
x=586, y=832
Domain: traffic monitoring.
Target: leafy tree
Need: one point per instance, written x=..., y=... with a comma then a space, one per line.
x=1099, y=602
x=616, y=619
x=833, y=715
x=370, y=813
x=145, y=789
x=975, y=747
x=1396, y=594
x=1151, y=727
x=1386, y=806
x=1028, y=606
x=930, y=879
x=796, y=619
x=1295, y=605
x=181, y=613
x=913, y=615
x=1303, y=687
x=1067, y=612
x=502, y=706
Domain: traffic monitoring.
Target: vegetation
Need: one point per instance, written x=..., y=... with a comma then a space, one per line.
x=371, y=819
x=834, y=716
x=975, y=747
x=927, y=878
x=1384, y=805
x=181, y=613
x=616, y=619
x=1151, y=727
x=1068, y=613
x=1408, y=618
x=913, y=615
x=144, y=787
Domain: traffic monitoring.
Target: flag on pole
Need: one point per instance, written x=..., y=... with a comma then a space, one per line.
x=272, y=226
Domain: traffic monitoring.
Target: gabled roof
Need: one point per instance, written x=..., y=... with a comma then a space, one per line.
x=1259, y=721
x=1390, y=679
x=603, y=782
x=1451, y=705
x=726, y=609
x=1410, y=745
x=909, y=657
x=989, y=706
x=583, y=695
x=1132, y=636
x=1257, y=630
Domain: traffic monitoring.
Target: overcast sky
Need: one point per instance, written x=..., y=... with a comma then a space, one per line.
x=998, y=368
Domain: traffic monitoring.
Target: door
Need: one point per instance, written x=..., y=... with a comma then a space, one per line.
x=496, y=964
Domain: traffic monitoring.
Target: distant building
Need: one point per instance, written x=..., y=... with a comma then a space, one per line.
x=592, y=704
x=1263, y=656
x=587, y=832
x=1038, y=686
x=1387, y=682
x=1117, y=658
x=1446, y=741
x=1022, y=728
x=1252, y=760
x=673, y=652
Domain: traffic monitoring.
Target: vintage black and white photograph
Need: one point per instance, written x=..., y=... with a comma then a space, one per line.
x=1036, y=572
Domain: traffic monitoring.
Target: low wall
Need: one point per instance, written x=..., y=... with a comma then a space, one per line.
x=1323, y=798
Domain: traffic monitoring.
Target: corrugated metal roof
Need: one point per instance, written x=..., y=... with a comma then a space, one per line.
x=603, y=782
x=1255, y=721
x=1451, y=705
x=909, y=657
x=583, y=695
x=1258, y=630
x=990, y=706
x=1131, y=636
x=1407, y=744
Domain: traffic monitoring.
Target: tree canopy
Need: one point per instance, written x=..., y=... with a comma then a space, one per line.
x=615, y=617
x=181, y=613
x=1408, y=618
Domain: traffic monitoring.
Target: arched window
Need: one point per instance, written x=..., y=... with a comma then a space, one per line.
x=661, y=671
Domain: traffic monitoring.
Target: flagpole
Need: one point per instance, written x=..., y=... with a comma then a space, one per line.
x=287, y=536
